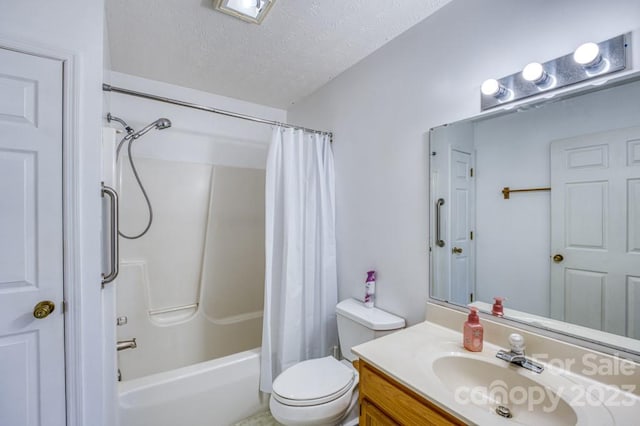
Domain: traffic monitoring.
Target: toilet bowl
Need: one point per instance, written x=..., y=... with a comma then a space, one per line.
x=324, y=391
x=316, y=392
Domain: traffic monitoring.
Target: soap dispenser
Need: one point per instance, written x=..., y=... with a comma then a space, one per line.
x=473, y=332
x=498, y=307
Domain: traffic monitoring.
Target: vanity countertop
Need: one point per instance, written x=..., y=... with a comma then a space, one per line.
x=411, y=356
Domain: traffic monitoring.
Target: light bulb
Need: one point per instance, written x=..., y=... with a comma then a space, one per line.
x=534, y=72
x=247, y=4
x=491, y=87
x=587, y=55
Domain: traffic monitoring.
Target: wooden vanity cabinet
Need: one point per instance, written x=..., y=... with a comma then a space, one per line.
x=385, y=402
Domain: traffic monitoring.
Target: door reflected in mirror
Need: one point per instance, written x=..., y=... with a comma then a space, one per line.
x=542, y=207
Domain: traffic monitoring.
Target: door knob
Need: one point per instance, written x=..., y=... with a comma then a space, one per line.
x=456, y=250
x=558, y=258
x=43, y=309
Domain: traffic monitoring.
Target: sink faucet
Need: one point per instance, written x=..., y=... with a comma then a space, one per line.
x=516, y=354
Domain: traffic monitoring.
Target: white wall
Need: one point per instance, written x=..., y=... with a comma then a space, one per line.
x=75, y=27
x=380, y=110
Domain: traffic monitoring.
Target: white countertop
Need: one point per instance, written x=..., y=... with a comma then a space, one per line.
x=407, y=356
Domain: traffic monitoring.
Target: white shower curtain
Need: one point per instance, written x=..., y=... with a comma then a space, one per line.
x=300, y=277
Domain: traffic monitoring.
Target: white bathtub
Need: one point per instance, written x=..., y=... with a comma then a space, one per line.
x=219, y=392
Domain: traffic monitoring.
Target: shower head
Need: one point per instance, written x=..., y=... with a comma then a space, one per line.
x=163, y=123
x=160, y=124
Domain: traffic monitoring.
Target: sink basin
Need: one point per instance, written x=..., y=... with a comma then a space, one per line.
x=487, y=390
x=490, y=386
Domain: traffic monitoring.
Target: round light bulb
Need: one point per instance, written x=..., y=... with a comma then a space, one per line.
x=587, y=55
x=534, y=72
x=490, y=87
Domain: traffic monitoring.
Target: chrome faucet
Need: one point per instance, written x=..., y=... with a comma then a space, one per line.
x=516, y=354
x=126, y=344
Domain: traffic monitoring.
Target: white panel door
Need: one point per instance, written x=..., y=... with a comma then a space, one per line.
x=32, y=391
x=595, y=227
x=460, y=229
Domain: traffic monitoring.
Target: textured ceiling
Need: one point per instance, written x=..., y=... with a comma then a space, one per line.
x=300, y=46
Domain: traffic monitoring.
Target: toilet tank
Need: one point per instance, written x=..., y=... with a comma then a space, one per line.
x=358, y=324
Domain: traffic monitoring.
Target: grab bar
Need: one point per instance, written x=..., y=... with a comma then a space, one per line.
x=439, y=240
x=126, y=344
x=114, y=252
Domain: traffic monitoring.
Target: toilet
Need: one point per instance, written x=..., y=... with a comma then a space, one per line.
x=324, y=391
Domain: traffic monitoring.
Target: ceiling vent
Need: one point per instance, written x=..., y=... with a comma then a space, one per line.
x=248, y=10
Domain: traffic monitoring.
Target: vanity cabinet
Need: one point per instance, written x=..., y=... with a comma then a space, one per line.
x=370, y=415
x=386, y=402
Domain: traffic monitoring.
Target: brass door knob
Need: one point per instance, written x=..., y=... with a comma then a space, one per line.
x=558, y=258
x=456, y=250
x=43, y=309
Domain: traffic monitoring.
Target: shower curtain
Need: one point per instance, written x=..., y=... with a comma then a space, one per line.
x=300, y=277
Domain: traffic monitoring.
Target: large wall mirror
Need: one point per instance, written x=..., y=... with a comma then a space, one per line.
x=541, y=206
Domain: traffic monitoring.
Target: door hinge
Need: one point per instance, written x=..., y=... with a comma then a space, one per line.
x=64, y=306
x=471, y=235
x=471, y=172
x=470, y=297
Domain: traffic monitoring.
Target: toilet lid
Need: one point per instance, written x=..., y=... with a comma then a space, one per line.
x=313, y=382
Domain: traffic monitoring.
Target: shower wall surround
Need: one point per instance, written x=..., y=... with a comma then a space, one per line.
x=208, y=230
x=192, y=288
x=233, y=271
x=172, y=250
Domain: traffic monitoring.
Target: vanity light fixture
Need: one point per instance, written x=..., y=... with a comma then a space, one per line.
x=491, y=87
x=535, y=73
x=588, y=61
x=588, y=55
x=253, y=11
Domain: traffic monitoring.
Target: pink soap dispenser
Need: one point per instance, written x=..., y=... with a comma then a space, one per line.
x=473, y=332
x=498, y=307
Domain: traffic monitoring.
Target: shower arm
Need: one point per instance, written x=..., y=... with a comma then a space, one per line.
x=124, y=124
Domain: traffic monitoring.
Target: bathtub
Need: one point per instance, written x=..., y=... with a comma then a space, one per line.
x=219, y=392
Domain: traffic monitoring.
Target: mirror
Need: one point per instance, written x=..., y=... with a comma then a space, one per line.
x=541, y=206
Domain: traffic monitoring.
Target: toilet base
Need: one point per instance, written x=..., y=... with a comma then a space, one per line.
x=353, y=416
x=341, y=412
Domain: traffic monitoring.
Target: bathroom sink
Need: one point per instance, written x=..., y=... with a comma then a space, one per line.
x=510, y=392
x=484, y=387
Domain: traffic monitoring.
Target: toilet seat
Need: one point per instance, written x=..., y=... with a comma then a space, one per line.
x=322, y=392
x=313, y=382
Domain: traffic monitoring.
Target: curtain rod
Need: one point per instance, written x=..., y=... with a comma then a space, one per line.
x=109, y=88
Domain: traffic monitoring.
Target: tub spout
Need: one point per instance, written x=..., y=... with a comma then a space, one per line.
x=127, y=344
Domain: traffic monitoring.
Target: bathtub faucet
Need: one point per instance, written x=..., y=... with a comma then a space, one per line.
x=126, y=344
